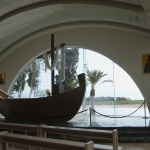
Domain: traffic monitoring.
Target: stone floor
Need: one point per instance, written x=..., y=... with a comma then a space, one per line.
x=135, y=146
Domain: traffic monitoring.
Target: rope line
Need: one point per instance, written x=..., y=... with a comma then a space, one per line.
x=108, y=116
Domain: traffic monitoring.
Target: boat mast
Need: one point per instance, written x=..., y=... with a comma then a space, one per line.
x=52, y=58
x=54, y=87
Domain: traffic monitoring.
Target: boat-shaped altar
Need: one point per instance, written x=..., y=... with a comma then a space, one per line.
x=57, y=108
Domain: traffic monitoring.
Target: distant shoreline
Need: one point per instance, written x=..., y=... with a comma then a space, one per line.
x=118, y=106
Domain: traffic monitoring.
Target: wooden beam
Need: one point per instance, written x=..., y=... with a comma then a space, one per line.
x=53, y=49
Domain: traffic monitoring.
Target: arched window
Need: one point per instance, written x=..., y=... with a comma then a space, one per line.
x=112, y=97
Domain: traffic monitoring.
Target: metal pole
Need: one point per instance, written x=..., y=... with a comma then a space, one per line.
x=52, y=58
x=90, y=117
x=145, y=111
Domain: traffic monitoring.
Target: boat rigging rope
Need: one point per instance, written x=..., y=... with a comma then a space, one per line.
x=47, y=64
x=53, y=65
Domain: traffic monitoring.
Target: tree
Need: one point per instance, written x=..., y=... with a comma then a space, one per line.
x=29, y=75
x=93, y=77
x=48, y=92
x=71, y=63
x=33, y=74
x=20, y=84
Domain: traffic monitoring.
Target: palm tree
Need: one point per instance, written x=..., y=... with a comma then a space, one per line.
x=93, y=77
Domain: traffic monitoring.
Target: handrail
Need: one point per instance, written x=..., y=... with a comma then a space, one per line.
x=88, y=133
x=19, y=127
x=107, y=134
x=31, y=141
x=42, y=130
x=3, y=94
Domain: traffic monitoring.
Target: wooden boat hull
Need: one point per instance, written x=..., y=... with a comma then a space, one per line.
x=62, y=107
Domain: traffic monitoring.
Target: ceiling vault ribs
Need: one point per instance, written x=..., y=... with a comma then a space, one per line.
x=115, y=4
x=90, y=23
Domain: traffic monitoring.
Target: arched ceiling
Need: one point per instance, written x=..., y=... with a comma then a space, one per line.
x=20, y=20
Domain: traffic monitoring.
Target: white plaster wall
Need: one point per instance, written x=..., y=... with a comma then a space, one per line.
x=123, y=47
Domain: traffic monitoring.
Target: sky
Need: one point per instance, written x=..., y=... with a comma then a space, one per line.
x=122, y=85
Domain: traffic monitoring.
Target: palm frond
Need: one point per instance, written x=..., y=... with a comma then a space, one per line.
x=106, y=81
x=94, y=76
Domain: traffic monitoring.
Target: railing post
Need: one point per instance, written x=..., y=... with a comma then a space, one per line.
x=145, y=111
x=38, y=131
x=64, y=137
x=4, y=145
x=12, y=145
x=90, y=116
x=115, y=139
x=41, y=134
x=89, y=145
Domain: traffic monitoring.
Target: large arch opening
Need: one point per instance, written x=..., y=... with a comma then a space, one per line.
x=113, y=99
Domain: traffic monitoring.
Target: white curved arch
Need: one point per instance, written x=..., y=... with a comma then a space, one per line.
x=119, y=45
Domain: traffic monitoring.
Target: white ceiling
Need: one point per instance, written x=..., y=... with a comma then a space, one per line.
x=20, y=19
